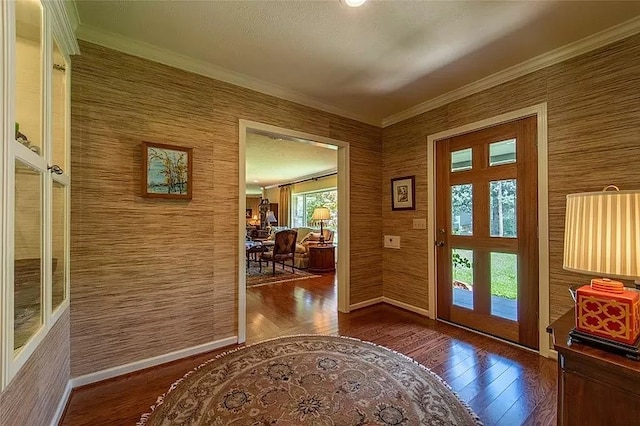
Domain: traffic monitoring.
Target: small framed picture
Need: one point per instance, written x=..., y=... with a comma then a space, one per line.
x=166, y=171
x=249, y=213
x=403, y=193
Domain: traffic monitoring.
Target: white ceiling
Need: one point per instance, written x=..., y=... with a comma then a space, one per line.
x=371, y=63
x=376, y=62
x=273, y=160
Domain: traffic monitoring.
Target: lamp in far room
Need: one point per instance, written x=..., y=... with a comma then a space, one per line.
x=602, y=237
x=270, y=218
x=320, y=214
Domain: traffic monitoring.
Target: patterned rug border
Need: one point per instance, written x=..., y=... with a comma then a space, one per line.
x=145, y=417
x=283, y=281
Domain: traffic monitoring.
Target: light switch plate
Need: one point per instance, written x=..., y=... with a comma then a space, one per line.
x=392, y=241
x=419, y=223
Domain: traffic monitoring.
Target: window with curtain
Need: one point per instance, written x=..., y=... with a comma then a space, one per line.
x=303, y=205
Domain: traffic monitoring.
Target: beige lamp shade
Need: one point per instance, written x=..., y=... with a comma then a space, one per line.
x=321, y=213
x=602, y=234
x=270, y=217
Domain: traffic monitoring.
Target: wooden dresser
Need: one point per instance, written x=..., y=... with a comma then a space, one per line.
x=595, y=387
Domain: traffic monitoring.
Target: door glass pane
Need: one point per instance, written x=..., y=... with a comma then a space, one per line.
x=58, y=108
x=58, y=259
x=502, y=152
x=502, y=201
x=461, y=160
x=462, y=274
x=462, y=209
x=504, y=285
x=28, y=72
x=27, y=255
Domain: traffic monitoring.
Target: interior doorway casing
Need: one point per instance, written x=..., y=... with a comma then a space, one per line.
x=540, y=112
x=342, y=272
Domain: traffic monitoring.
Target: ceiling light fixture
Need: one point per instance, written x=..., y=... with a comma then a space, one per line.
x=354, y=3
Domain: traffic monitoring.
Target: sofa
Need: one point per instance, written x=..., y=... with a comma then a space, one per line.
x=306, y=237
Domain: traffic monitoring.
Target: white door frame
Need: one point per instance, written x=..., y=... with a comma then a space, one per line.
x=540, y=111
x=343, y=215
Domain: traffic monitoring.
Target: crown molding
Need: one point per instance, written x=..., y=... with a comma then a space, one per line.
x=553, y=57
x=64, y=22
x=170, y=58
x=176, y=60
x=72, y=12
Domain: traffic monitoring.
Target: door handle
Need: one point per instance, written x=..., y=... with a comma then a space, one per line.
x=439, y=243
x=55, y=169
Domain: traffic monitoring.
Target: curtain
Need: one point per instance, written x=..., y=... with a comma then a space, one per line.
x=285, y=206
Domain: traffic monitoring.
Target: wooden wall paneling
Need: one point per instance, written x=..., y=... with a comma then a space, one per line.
x=593, y=131
x=153, y=276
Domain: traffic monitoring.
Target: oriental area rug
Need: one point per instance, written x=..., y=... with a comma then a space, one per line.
x=315, y=380
x=257, y=278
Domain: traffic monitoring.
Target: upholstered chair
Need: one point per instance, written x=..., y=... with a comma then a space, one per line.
x=283, y=249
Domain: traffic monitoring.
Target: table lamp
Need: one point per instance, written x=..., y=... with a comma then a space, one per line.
x=270, y=218
x=602, y=237
x=320, y=214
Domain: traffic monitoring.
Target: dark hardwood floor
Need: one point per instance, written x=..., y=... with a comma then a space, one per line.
x=505, y=385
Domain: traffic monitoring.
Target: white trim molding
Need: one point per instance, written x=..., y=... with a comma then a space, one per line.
x=173, y=59
x=344, y=194
x=131, y=367
x=406, y=306
x=62, y=405
x=540, y=111
x=587, y=44
x=65, y=21
x=390, y=301
x=187, y=63
x=365, y=303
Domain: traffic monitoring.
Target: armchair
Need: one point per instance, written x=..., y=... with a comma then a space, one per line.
x=284, y=249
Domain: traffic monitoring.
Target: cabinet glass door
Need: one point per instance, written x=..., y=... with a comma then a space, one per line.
x=59, y=108
x=35, y=248
x=28, y=75
x=60, y=178
x=27, y=288
x=58, y=245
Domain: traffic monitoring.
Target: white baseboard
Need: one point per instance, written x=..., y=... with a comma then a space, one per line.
x=365, y=303
x=62, y=404
x=390, y=301
x=553, y=354
x=150, y=362
x=406, y=306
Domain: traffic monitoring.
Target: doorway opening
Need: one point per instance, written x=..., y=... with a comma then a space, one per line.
x=288, y=215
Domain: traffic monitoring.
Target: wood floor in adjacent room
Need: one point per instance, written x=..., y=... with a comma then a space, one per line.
x=505, y=385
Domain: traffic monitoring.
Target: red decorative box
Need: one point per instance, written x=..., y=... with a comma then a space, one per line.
x=612, y=314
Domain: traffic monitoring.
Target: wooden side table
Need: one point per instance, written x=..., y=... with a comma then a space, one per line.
x=322, y=258
x=595, y=387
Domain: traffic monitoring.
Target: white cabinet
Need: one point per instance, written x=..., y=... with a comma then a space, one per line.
x=35, y=175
